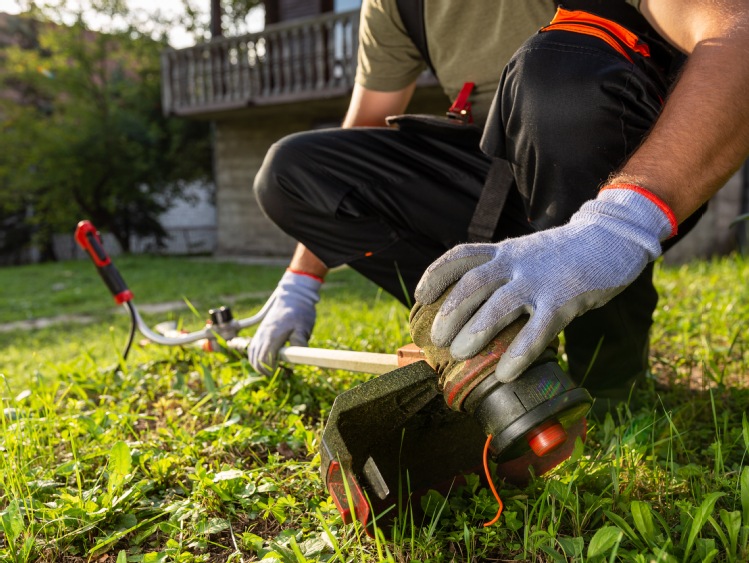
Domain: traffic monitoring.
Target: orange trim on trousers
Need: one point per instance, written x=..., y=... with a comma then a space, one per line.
x=616, y=36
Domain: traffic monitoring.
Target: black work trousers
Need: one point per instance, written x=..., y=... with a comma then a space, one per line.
x=567, y=113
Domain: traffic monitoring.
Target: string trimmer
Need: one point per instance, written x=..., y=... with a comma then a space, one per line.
x=394, y=437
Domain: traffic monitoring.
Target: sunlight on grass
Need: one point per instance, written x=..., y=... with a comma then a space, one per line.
x=185, y=456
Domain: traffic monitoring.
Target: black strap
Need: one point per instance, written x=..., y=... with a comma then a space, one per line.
x=499, y=182
x=412, y=15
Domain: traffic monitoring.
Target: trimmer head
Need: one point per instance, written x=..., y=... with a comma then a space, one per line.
x=393, y=438
x=533, y=420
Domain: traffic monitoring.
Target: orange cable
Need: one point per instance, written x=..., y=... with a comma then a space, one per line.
x=491, y=483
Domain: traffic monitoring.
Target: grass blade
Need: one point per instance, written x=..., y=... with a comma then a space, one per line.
x=700, y=519
x=622, y=524
x=745, y=495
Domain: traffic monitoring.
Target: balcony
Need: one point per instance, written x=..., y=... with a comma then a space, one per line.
x=294, y=61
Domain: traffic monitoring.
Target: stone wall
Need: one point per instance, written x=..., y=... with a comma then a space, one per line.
x=239, y=148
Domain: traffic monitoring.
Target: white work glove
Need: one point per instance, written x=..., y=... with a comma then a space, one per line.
x=290, y=318
x=553, y=276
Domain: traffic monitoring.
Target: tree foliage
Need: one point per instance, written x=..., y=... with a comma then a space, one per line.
x=83, y=133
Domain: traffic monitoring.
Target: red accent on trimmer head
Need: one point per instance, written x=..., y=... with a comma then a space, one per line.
x=337, y=485
x=516, y=470
x=546, y=437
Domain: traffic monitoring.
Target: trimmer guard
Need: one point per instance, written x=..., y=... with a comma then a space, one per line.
x=391, y=439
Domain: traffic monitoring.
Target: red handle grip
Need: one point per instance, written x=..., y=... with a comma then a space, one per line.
x=89, y=240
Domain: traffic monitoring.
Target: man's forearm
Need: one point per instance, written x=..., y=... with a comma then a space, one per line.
x=305, y=261
x=702, y=137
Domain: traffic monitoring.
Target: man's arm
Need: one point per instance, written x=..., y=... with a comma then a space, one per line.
x=292, y=315
x=700, y=139
x=702, y=136
x=367, y=108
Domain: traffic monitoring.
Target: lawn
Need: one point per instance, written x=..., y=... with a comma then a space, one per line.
x=178, y=455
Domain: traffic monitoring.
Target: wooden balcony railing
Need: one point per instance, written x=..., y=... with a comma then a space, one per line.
x=294, y=61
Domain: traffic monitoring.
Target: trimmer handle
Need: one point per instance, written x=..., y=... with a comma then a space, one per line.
x=89, y=240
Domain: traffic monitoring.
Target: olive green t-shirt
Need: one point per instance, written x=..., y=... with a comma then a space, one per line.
x=468, y=41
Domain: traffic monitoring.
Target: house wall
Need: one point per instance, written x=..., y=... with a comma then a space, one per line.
x=190, y=224
x=239, y=148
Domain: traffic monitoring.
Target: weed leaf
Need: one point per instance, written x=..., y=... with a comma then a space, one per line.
x=12, y=521
x=212, y=526
x=732, y=522
x=120, y=463
x=228, y=475
x=555, y=555
x=706, y=550
x=247, y=381
x=603, y=540
x=577, y=451
x=122, y=556
x=434, y=504
x=215, y=428
x=643, y=517
x=572, y=547
x=117, y=536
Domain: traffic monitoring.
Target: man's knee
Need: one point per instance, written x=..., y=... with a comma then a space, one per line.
x=568, y=112
x=275, y=180
x=286, y=171
x=572, y=92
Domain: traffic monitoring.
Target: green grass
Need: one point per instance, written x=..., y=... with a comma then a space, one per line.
x=182, y=456
x=46, y=290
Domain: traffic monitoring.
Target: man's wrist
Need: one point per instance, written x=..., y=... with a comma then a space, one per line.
x=300, y=286
x=307, y=274
x=652, y=197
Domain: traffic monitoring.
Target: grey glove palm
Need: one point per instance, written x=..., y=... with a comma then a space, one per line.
x=553, y=276
x=290, y=318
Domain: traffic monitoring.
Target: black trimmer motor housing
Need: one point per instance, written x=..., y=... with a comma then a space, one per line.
x=391, y=439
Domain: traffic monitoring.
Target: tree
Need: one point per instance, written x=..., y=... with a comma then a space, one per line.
x=83, y=133
x=230, y=15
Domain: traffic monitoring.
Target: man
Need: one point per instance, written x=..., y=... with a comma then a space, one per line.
x=604, y=172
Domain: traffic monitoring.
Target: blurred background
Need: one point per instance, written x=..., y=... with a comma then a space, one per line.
x=151, y=119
